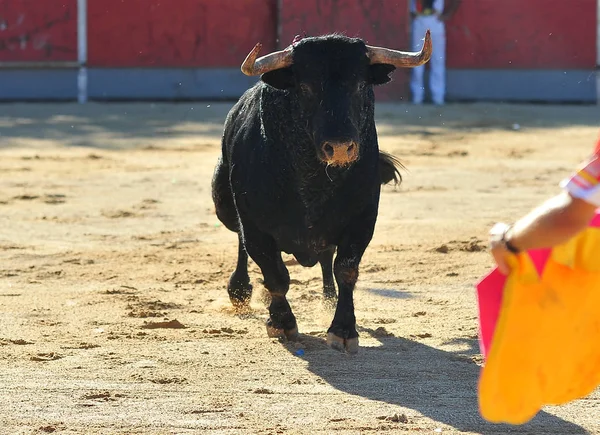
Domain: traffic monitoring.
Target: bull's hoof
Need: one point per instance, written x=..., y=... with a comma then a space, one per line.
x=329, y=293
x=274, y=332
x=330, y=303
x=292, y=334
x=240, y=304
x=288, y=334
x=240, y=293
x=349, y=345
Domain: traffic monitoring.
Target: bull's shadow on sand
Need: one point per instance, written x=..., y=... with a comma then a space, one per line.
x=438, y=384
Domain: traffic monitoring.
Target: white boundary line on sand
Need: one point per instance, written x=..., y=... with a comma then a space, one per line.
x=82, y=87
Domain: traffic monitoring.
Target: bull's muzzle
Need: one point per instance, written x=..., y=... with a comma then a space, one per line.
x=339, y=153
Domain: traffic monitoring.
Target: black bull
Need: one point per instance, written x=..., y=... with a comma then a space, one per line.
x=301, y=171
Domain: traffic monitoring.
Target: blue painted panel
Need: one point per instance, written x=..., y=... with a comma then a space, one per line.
x=575, y=86
x=167, y=83
x=38, y=84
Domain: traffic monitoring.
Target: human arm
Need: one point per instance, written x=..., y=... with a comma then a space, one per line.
x=555, y=221
x=437, y=9
x=552, y=223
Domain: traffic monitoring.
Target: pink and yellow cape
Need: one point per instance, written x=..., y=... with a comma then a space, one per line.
x=540, y=329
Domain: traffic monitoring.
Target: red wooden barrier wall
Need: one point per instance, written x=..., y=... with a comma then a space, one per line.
x=537, y=34
x=484, y=34
x=182, y=33
x=38, y=31
x=384, y=23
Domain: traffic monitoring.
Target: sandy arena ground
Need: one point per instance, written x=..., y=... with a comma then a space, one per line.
x=114, y=317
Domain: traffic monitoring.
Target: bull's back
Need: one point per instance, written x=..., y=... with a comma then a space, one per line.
x=239, y=120
x=242, y=123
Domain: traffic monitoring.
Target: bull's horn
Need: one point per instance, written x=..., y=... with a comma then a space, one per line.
x=255, y=67
x=402, y=59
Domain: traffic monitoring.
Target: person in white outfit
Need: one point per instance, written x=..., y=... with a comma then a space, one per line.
x=430, y=14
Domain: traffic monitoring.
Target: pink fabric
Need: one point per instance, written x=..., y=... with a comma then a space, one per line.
x=489, y=298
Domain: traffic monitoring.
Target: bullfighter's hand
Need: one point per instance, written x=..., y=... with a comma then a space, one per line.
x=498, y=248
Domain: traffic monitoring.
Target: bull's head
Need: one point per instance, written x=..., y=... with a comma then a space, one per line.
x=331, y=79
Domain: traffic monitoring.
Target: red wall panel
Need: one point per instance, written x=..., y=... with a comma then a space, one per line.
x=383, y=23
x=199, y=33
x=38, y=31
x=538, y=34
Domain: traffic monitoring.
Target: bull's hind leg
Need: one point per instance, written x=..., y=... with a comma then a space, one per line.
x=264, y=251
x=239, y=287
x=326, y=261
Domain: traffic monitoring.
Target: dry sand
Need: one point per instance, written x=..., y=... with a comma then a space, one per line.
x=107, y=230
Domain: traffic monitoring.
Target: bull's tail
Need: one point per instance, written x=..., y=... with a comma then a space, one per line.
x=389, y=168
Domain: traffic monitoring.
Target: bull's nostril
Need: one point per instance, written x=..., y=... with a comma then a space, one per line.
x=328, y=150
x=351, y=148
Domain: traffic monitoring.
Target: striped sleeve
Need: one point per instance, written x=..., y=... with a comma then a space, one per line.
x=585, y=183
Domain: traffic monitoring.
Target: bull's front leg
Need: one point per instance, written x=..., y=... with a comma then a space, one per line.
x=263, y=250
x=342, y=334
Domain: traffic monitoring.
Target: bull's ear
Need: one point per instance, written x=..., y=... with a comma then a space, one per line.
x=379, y=73
x=280, y=78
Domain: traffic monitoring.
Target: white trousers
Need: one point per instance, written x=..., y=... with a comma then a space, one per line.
x=437, y=76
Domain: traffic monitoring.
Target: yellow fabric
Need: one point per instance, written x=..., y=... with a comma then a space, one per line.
x=588, y=177
x=546, y=346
